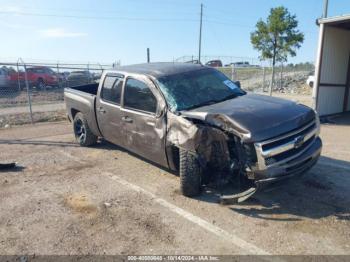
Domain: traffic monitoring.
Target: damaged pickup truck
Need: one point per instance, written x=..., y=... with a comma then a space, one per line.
x=193, y=120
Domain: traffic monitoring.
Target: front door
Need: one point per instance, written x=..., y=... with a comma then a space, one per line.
x=145, y=130
x=108, y=111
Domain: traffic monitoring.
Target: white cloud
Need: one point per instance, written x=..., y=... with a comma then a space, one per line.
x=11, y=9
x=59, y=33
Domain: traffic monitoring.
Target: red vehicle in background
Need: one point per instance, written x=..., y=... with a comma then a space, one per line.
x=39, y=77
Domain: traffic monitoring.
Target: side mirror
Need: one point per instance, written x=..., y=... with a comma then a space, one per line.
x=160, y=110
x=238, y=83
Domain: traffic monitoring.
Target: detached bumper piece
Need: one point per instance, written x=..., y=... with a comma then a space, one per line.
x=272, y=175
x=7, y=166
x=237, y=198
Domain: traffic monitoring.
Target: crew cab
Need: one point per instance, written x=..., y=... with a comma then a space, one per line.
x=193, y=120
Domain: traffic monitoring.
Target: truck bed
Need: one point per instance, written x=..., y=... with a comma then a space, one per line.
x=82, y=99
x=89, y=88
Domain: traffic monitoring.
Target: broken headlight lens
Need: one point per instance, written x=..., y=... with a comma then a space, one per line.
x=250, y=153
x=318, y=124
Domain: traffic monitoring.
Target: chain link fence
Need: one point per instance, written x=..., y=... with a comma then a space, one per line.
x=255, y=75
x=33, y=92
x=289, y=80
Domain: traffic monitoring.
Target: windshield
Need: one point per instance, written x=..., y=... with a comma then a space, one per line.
x=197, y=88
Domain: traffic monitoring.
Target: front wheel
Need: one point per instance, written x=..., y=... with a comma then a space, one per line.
x=190, y=174
x=82, y=132
x=40, y=84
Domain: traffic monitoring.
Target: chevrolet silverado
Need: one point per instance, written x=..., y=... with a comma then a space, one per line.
x=194, y=120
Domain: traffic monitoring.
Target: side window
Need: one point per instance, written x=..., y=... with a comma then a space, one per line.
x=111, y=89
x=39, y=71
x=138, y=96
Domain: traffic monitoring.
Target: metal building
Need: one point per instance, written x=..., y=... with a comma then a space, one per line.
x=332, y=75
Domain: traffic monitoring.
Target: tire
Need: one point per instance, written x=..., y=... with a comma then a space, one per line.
x=40, y=84
x=82, y=131
x=190, y=174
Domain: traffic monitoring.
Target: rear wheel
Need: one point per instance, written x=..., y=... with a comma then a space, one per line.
x=82, y=132
x=190, y=174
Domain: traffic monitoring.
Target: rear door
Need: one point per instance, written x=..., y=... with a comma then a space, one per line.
x=108, y=111
x=144, y=123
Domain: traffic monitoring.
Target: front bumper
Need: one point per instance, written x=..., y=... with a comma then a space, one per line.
x=294, y=167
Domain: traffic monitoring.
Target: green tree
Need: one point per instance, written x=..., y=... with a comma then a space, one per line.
x=277, y=38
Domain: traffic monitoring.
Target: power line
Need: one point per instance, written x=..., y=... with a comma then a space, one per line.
x=99, y=17
x=100, y=11
x=120, y=18
x=226, y=23
x=125, y=18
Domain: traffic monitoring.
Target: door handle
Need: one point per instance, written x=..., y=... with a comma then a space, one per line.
x=101, y=110
x=149, y=123
x=127, y=119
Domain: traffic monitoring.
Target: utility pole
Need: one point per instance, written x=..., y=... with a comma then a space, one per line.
x=200, y=35
x=325, y=8
x=148, y=56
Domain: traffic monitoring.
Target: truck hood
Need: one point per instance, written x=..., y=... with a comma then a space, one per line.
x=254, y=117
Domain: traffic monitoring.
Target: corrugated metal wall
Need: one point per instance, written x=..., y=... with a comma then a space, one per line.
x=334, y=67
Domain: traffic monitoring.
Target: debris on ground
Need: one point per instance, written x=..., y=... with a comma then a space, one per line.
x=106, y=204
x=7, y=165
x=237, y=198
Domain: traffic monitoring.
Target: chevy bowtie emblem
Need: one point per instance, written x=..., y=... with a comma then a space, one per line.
x=298, y=141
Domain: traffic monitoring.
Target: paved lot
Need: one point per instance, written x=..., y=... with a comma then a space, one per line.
x=65, y=199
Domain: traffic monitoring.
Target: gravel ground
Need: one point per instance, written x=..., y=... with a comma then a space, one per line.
x=36, y=108
x=252, y=79
x=13, y=98
x=7, y=121
x=64, y=199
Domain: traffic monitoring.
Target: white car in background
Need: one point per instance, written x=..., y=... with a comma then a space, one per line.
x=310, y=81
x=5, y=80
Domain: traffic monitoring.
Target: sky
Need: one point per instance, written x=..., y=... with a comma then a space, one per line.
x=105, y=31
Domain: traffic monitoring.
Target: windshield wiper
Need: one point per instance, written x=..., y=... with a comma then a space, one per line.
x=206, y=103
x=227, y=98
x=212, y=101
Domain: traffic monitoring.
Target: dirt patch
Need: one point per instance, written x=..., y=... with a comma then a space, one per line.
x=77, y=167
x=79, y=202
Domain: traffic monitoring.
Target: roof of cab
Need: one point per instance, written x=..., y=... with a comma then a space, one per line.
x=160, y=69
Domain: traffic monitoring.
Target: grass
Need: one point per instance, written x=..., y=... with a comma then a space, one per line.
x=24, y=118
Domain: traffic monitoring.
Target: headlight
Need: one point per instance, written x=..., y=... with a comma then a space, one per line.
x=318, y=124
x=250, y=153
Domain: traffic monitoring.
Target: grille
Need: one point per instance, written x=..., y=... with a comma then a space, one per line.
x=287, y=146
x=289, y=153
x=289, y=138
